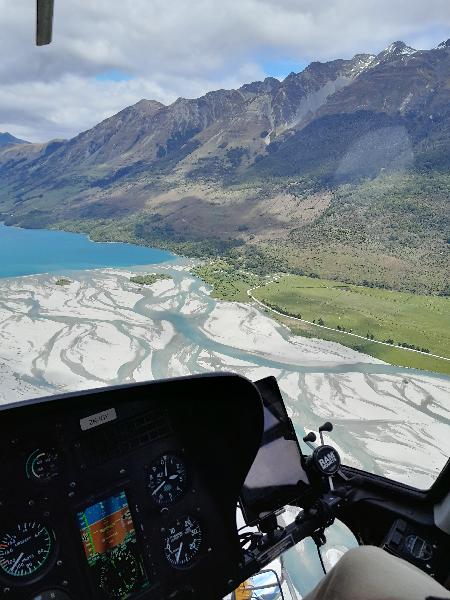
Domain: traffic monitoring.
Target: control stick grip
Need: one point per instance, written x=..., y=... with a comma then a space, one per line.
x=327, y=426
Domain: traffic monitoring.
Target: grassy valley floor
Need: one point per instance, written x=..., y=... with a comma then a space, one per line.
x=417, y=321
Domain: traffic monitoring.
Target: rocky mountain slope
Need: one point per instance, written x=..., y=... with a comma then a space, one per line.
x=263, y=165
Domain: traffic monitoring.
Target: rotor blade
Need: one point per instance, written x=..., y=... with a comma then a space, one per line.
x=44, y=22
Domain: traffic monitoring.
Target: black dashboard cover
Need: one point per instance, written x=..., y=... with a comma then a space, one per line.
x=215, y=422
x=277, y=476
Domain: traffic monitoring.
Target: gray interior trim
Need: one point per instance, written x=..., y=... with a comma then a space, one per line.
x=442, y=514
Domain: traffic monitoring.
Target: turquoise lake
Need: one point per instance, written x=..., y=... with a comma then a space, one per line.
x=32, y=251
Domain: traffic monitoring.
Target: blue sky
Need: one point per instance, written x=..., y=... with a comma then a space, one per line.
x=280, y=67
x=113, y=75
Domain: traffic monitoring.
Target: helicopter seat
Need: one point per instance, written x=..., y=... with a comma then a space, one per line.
x=370, y=573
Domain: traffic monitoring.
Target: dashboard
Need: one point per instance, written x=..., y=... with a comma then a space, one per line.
x=126, y=492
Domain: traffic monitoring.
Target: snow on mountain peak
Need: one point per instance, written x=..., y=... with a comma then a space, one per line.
x=444, y=45
x=393, y=52
x=399, y=48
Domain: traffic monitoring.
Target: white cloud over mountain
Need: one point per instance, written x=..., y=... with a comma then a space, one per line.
x=180, y=48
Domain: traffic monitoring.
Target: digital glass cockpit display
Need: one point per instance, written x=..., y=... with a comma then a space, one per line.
x=111, y=548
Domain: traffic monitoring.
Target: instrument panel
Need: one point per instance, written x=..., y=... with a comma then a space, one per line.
x=127, y=492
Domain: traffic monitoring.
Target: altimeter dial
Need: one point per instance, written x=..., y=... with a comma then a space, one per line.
x=183, y=538
x=25, y=549
x=167, y=479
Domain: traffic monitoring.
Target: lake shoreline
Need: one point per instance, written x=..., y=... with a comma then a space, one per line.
x=25, y=252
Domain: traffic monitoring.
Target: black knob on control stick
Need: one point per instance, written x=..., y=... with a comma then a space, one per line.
x=311, y=437
x=326, y=427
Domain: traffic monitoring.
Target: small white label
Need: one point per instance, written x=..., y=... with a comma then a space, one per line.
x=98, y=419
x=328, y=460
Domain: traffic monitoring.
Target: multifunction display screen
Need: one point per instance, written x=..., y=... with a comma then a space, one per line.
x=111, y=548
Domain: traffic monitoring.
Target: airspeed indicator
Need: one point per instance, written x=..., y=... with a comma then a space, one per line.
x=25, y=549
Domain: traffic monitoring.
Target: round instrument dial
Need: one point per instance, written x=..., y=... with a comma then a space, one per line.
x=43, y=465
x=167, y=479
x=25, y=549
x=120, y=574
x=182, y=541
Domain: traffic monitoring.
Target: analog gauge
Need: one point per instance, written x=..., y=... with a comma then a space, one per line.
x=120, y=574
x=182, y=541
x=43, y=465
x=167, y=479
x=25, y=549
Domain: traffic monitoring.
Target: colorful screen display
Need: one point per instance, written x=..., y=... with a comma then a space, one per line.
x=110, y=544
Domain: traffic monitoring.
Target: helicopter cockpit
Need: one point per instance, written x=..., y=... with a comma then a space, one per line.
x=132, y=491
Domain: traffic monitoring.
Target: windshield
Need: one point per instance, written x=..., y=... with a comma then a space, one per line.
x=255, y=186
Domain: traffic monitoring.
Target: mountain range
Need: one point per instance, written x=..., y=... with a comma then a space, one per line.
x=6, y=139
x=341, y=170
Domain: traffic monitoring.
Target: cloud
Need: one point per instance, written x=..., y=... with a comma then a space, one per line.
x=180, y=48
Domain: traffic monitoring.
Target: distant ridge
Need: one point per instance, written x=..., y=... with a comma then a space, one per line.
x=7, y=139
x=228, y=132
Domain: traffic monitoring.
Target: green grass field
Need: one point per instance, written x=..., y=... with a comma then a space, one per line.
x=392, y=355
x=149, y=279
x=422, y=321
x=227, y=282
